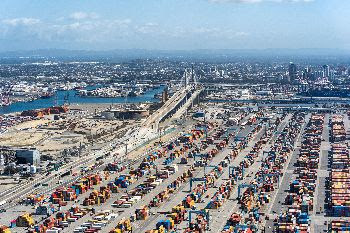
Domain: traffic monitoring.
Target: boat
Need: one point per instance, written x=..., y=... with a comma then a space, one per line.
x=46, y=95
x=132, y=94
x=4, y=103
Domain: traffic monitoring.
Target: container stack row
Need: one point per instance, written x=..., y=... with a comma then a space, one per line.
x=302, y=189
x=338, y=133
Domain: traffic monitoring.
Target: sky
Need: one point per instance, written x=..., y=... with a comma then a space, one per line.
x=173, y=24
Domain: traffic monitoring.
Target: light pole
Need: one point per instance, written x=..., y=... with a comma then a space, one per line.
x=160, y=134
x=126, y=152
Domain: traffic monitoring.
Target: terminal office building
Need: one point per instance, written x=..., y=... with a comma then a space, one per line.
x=22, y=155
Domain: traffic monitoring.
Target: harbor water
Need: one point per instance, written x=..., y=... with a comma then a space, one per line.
x=73, y=98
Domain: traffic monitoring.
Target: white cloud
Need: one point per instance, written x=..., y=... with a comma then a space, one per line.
x=206, y=30
x=241, y=34
x=232, y=35
x=90, y=30
x=147, y=28
x=21, y=29
x=83, y=15
x=20, y=21
x=210, y=33
x=94, y=30
x=73, y=28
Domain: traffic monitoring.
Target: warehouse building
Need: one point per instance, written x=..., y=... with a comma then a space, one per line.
x=30, y=155
x=19, y=156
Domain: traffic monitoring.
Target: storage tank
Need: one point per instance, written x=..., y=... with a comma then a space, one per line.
x=32, y=169
x=2, y=160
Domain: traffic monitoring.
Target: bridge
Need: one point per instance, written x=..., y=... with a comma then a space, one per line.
x=178, y=104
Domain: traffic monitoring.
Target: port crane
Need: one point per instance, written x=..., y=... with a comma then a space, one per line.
x=203, y=179
x=204, y=213
x=241, y=186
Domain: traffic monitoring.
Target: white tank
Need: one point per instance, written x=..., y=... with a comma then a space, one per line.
x=32, y=169
x=2, y=160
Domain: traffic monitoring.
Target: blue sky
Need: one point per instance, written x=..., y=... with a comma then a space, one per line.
x=174, y=24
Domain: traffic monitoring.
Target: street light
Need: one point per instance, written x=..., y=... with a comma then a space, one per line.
x=160, y=134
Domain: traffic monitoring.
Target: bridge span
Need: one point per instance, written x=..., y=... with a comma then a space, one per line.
x=176, y=106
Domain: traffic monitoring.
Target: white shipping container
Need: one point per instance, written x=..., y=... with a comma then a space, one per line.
x=52, y=231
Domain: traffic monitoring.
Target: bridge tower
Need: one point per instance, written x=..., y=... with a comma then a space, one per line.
x=192, y=73
x=187, y=78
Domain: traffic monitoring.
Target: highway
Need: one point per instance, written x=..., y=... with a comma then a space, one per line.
x=167, y=107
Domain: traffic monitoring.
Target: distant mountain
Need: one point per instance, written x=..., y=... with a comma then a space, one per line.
x=204, y=54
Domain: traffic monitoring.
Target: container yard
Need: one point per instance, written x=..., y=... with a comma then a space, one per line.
x=239, y=170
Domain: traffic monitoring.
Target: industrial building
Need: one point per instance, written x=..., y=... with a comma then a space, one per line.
x=124, y=114
x=19, y=155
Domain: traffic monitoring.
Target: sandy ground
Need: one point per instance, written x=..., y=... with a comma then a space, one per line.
x=23, y=134
x=54, y=136
x=30, y=124
x=21, y=138
x=60, y=142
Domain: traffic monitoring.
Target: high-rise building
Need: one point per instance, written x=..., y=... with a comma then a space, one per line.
x=319, y=74
x=292, y=70
x=331, y=75
x=309, y=74
x=305, y=73
x=326, y=71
